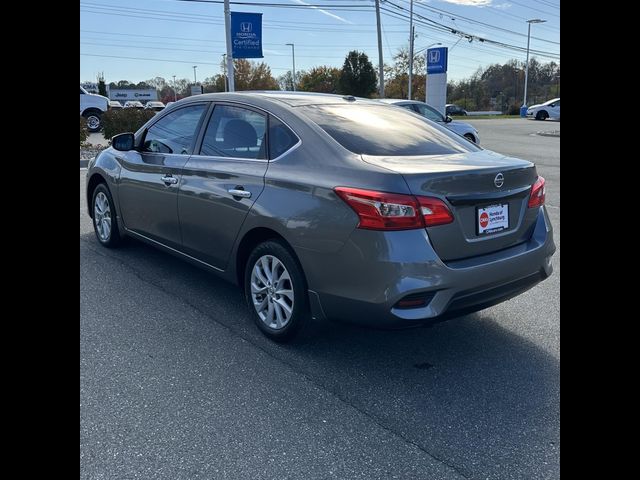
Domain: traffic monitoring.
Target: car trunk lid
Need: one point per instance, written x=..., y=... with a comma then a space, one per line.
x=472, y=184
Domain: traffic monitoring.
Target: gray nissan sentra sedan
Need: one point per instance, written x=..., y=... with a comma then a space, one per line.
x=323, y=206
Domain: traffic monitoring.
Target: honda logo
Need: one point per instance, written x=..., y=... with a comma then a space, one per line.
x=246, y=27
x=434, y=56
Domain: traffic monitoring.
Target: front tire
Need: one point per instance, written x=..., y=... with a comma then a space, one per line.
x=94, y=121
x=542, y=115
x=105, y=224
x=276, y=291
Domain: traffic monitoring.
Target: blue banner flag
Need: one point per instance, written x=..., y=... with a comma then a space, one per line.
x=246, y=35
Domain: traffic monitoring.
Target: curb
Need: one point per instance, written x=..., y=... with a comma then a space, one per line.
x=550, y=133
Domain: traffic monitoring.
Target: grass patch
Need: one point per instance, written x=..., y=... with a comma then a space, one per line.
x=482, y=117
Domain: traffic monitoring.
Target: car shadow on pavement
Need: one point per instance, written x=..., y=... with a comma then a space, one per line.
x=468, y=390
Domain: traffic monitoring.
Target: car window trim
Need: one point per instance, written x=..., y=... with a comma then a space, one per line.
x=198, y=128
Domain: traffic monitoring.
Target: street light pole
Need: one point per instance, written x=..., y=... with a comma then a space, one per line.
x=526, y=72
x=293, y=54
x=195, y=80
x=175, y=94
x=410, y=49
x=227, y=27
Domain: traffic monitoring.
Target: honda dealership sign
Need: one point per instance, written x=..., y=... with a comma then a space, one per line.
x=437, y=63
x=437, y=60
x=125, y=94
x=246, y=35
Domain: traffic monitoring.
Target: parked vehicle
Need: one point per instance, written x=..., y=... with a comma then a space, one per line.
x=156, y=106
x=323, y=206
x=452, y=109
x=427, y=111
x=133, y=104
x=115, y=105
x=549, y=109
x=92, y=107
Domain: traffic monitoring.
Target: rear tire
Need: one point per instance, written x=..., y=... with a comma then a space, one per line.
x=542, y=115
x=276, y=291
x=105, y=224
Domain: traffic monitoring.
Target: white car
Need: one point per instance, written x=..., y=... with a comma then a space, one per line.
x=461, y=128
x=156, y=106
x=133, y=104
x=550, y=109
x=92, y=107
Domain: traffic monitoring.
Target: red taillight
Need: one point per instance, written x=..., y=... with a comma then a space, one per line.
x=434, y=211
x=394, y=211
x=536, y=199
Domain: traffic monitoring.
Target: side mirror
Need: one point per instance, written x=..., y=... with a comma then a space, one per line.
x=448, y=119
x=123, y=142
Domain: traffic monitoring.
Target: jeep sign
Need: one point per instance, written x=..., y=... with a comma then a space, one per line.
x=122, y=95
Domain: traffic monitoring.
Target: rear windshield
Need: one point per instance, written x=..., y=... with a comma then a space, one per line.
x=385, y=130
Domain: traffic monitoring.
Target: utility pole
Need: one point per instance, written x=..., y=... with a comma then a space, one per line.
x=195, y=80
x=411, y=33
x=175, y=94
x=380, y=60
x=227, y=26
x=293, y=53
x=224, y=70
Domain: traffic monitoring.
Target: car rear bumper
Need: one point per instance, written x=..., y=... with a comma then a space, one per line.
x=375, y=270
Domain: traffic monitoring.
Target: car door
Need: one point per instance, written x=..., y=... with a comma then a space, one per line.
x=149, y=179
x=221, y=181
x=555, y=111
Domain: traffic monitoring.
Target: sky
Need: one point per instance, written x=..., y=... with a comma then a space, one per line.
x=137, y=40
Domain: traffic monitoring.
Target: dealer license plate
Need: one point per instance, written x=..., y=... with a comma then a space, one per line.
x=492, y=219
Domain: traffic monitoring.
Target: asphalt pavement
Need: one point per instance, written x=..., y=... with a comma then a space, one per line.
x=177, y=383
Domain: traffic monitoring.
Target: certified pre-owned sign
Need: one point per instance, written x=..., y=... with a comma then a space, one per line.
x=246, y=35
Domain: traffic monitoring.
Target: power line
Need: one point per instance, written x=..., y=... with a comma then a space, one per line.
x=478, y=22
x=548, y=4
x=533, y=8
x=429, y=23
x=206, y=52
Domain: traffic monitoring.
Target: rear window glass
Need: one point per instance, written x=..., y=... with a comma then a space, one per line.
x=281, y=138
x=385, y=130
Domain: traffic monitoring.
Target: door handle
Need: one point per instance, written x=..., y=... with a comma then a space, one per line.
x=169, y=180
x=239, y=193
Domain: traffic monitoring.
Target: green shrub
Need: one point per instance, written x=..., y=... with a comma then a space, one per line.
x=124, y=120
x=513, y=109
x=83, y=129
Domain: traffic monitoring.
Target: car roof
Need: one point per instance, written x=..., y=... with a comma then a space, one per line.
x=396, y=100
x=292, y=99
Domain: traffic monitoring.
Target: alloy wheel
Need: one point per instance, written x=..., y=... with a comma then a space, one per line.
x=272, y=292
x=102, y=216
